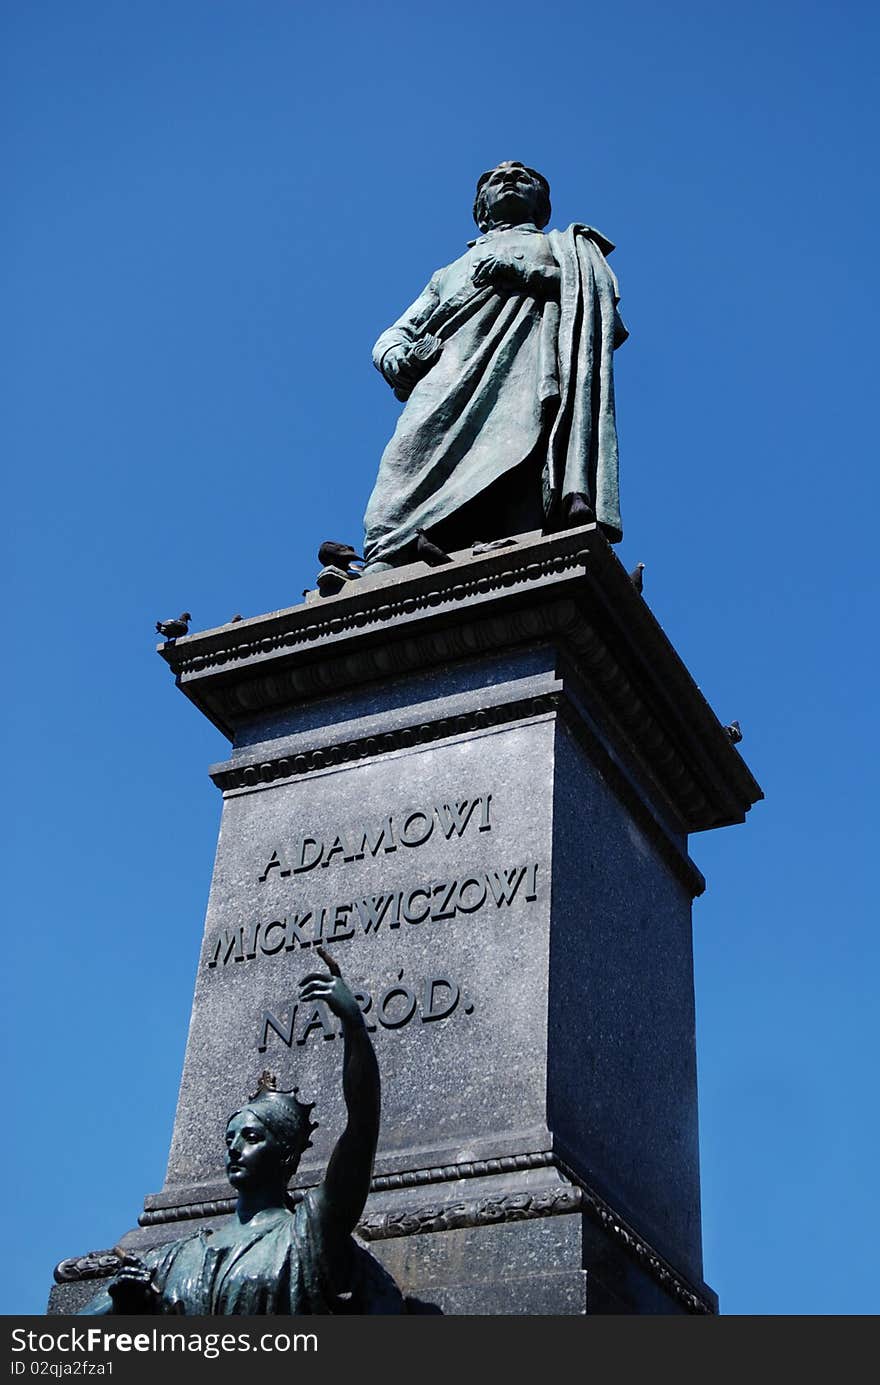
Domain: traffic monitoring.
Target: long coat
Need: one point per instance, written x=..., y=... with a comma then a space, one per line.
x=519, y=375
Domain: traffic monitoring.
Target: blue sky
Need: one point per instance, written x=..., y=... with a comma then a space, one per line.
x=215, y=208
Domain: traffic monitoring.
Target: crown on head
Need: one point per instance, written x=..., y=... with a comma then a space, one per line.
x=282, y=1113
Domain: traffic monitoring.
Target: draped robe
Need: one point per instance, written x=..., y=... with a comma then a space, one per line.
x=278, y=1264
x=521, y=375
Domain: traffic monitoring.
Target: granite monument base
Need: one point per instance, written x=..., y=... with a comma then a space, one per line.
x=474, y=785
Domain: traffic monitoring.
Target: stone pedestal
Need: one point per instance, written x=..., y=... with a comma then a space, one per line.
x=474, y=784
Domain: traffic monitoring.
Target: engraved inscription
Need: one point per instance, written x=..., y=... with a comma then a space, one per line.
x=433, y=998
x=410, y=827
x=432, y=901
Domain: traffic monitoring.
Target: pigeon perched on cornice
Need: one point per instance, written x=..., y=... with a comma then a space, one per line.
x=171, y=629
x=429, y=552
x=636, y=576
x=340, y=555
x=734, y=731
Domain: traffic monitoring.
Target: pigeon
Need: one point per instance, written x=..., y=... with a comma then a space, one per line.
x=172, y=628
x=636, y=576
x=342, y=555
x=734, y=731
x=578, y=510
x=428, y=552
x=233, y=619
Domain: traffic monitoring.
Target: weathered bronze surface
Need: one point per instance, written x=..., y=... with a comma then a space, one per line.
x=270, y=1257
x=505, y=364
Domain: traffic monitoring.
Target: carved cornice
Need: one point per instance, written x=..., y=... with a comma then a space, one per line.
x=234, y=777
x=230, y=776
x=647, y=1258
x=568, y=590
x=188, y=1211
x=477, y=1168
x=413, y=1178
x=417, y=1219
x=553, y=1202
x=561, y=618
x=450, y=1216
x=356, y=610
x=406, y=652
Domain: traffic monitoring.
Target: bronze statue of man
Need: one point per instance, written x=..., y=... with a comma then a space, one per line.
x=271, y=1256
x=505, y=364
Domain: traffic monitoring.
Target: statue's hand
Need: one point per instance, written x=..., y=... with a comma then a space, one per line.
x=501, y=270
x=132, y=1289
x=405, y=365
x=335, y=994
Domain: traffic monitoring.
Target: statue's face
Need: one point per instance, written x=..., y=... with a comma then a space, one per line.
x=511, y=194
x=253, y=1155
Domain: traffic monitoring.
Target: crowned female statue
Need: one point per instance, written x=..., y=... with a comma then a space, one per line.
x=272, y=1256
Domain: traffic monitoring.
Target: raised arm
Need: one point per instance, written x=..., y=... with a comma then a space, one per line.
x=341, y=1197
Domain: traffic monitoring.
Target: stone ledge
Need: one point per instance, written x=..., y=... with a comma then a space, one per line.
x=248, y=775
x=375, y=602
x=252, y=773
x=567, y=590
x=573, y=1196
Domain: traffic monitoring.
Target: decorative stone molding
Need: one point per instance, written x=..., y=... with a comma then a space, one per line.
x=188, y=1211
x=413, y=1178
x=647, y=1258
x=578, y=1197
x=567, y=590
x=560, y=619
x=417, y=1221
x=402, y=653
x=478, y=1168
x=364, y=607
x=424, y=1218
x=230, y=777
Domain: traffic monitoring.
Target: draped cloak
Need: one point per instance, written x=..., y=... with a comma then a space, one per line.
x=520, y=376
x=277, y=1266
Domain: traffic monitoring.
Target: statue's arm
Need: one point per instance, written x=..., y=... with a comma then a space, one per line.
x=405, y=352
x=410, y=325
x=507, y=271
x=341, y=1196
x=544, y=281
x=130, y=1291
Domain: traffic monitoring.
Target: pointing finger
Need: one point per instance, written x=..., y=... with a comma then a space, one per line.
x=330, y=962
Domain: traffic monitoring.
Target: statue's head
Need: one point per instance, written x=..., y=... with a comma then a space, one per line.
x=265, y=1140
x=511, y=194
